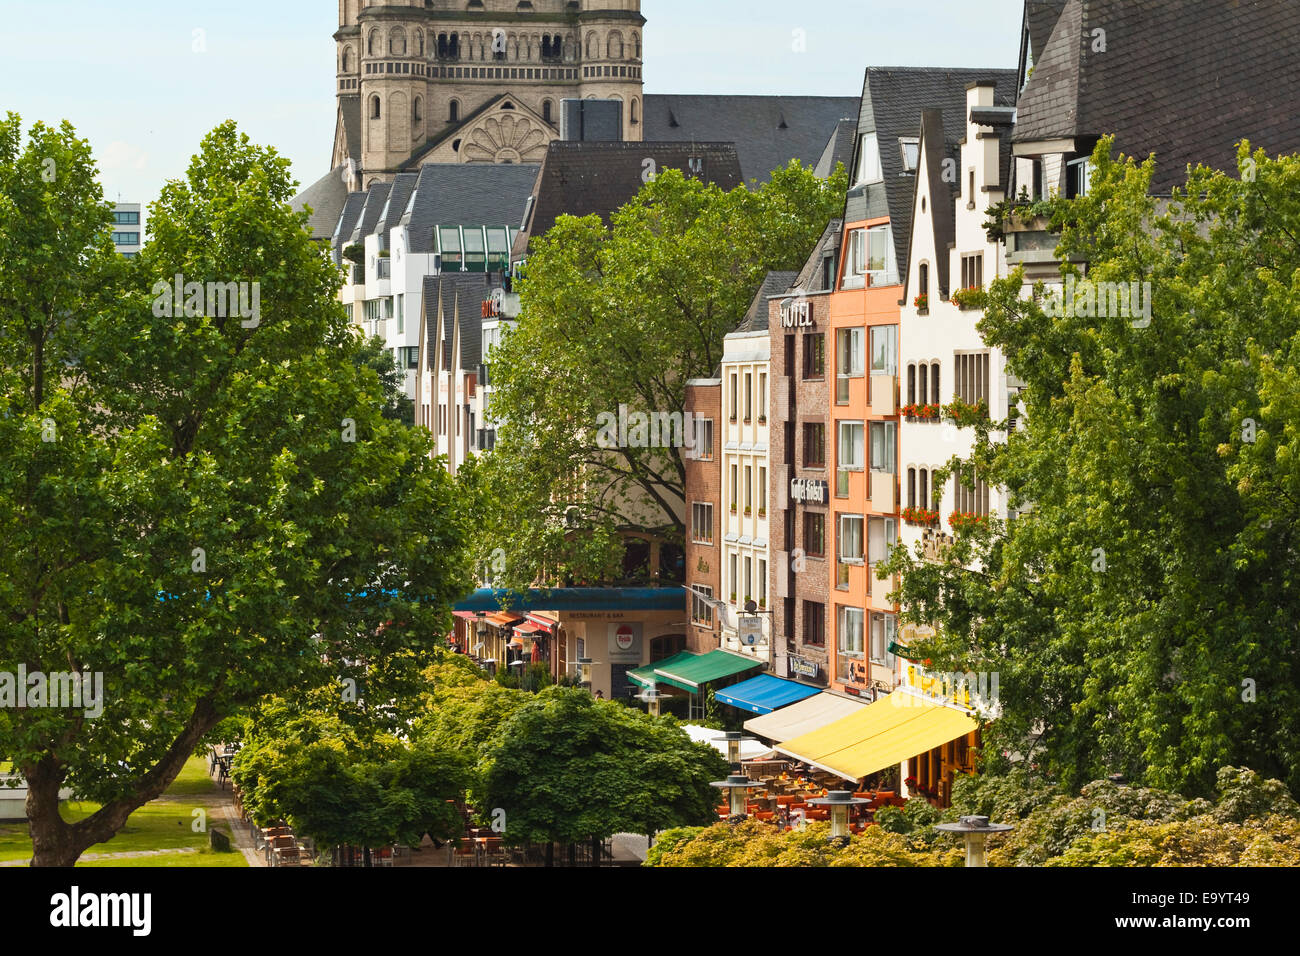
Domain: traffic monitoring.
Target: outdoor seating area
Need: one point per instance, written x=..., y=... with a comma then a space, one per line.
x=782, y=792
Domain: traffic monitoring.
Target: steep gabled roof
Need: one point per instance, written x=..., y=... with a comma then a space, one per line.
x=1184, y=79
x=839, y=148
x=1039, y=20
x=347, y=223
x=768, y=131
x=466, y=194
x=442, y=293
x=395, y=205
x=582, y=179
x=941, y=212
x=774, y=283
x=376, y=196
x=326, y=197
x=893, y=99
x=809, y=278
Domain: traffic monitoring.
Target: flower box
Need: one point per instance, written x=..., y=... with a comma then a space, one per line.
x=920, y=516
x=971, y=298
x=963, y=413
x=922, y=302
x=920, y=411
x=966, y=520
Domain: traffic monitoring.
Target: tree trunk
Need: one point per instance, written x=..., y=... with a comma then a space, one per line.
x=55, y=842
x=550, y=854
x=595, y=851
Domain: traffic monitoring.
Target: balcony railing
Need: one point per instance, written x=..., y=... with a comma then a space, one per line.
x=385, y=268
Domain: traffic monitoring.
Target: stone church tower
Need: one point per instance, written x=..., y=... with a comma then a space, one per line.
x=475, y=81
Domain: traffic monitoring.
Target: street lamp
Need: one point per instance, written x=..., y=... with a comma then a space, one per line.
x=650, y=695
x=976, y=831
x=839, y=802
x=733, y=739
x=737, y=786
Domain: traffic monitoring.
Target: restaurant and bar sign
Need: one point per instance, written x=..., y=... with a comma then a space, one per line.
x=803, y=667
x=809, y=490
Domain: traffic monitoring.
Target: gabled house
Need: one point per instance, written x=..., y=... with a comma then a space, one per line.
x=450, y=351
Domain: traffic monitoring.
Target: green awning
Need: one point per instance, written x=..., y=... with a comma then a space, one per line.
x=645, y=676
x=691, y=675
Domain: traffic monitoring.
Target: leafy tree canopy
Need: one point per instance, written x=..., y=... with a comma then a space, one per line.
x=566, y=767
x=623, y=316
x=1142, y=609
x=236, y=463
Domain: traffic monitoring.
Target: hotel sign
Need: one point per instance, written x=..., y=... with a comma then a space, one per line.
x=796, y=314
x=809, y=491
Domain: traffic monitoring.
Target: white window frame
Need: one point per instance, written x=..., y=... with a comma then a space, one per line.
x=695, y=522
x=868, y=169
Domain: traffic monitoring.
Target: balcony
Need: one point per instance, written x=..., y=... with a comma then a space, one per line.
x=385, y=269
x=484, y=376
x=884, y=395
x=884, y=488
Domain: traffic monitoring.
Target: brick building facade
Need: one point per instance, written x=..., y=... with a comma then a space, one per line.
x=703, y=515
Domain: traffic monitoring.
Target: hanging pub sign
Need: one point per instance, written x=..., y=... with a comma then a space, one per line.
x=809, y=491
x=803, y=667
x=796, y=314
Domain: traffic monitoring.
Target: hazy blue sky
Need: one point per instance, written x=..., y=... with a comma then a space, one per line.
x=130, y=78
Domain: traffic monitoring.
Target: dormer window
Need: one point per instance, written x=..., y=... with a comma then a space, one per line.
x=1077, y=174
x=868, y=166
x=910, y=147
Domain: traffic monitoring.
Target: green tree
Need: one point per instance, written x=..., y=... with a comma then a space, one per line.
x=374, y=356
x=566, y=768
x=342, y=789
x=201, y=505
x=623, y=316
x=1142, y=609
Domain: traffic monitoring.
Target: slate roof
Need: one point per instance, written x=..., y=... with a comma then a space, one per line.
x=470, y=288
x=810, y=276
x=893, y=99
x=839, y=148
x=774, y=283
x=768, y=131
x=395, y=206
x=347, y=224
x=1040, y=17
x=326, y=197
x=581, y=179
x=1184, y=79
x=376, y=197
x=466, y=194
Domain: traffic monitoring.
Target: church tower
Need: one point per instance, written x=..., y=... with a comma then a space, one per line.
x=475, y=81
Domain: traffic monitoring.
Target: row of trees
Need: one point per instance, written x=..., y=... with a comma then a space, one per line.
x=200, y=507
x=558, y=766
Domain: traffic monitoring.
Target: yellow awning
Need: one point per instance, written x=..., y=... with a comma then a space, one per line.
x=885, y=733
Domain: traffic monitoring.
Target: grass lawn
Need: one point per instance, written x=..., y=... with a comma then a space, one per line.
x=160, y=825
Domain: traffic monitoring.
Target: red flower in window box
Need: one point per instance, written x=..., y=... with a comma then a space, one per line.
x=921, y=516
x=966, y=520
x=922, y=302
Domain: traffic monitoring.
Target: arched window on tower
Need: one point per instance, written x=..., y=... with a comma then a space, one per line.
x=374, y=107
x=636, y=46
x=372, y=43
x=453, y=111
x=397, y=42
x=634, y=112
x=417, y=110
x=557, y=46
x=591, y=46
x=419, y=41
x=442, y=46
x=453, y=46
x=615, y=46
x=546, y=48
x=347, y=59
x=546, y=111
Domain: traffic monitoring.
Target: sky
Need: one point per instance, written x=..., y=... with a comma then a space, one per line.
x=145, y=80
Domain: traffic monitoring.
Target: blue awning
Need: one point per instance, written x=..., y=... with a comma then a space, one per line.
x=578, y=599
x=764, y=694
